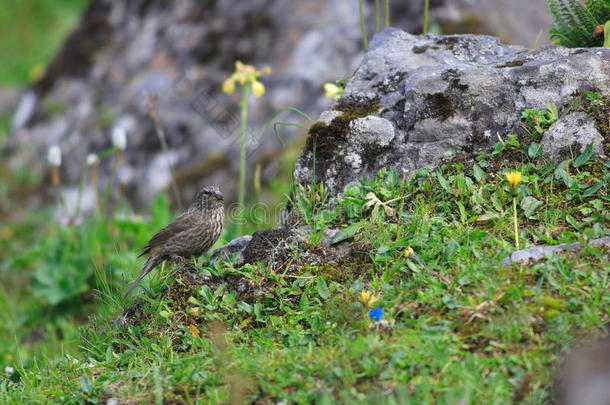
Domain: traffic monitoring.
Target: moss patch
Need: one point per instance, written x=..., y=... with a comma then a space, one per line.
x=438, y=105
x=263, y=243
x=324, y=139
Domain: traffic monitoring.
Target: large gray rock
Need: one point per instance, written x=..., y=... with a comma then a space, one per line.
x=417, y=100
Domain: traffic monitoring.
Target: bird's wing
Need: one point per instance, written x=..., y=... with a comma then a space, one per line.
x=181, y=224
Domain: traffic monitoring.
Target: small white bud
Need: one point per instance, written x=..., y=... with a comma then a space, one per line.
x=54, y=156
x=119, y=138
x=92, y=159
x=9, y=371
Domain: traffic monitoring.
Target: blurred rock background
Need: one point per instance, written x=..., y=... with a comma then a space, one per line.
x=120, y=54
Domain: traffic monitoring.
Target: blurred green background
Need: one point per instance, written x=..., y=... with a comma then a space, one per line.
x=31, y=31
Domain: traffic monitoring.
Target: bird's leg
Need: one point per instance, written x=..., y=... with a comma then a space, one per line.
x=185, y=262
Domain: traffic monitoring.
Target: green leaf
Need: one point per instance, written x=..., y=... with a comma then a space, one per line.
x=584, y=156
x=257, y=311
x=498, y=148
x=534, y=150
x=347, y=233
x=462, y=209
x=86, y=385
x=607, y=34
x=304, y=302
x=513, y=140
x=529, y=204
x=443, y=182
x=478, y=173
x=593, y=189
x=572, y=221
x=563, y=175
x=553, y=109
x=414, y=268
x=450, y=249
x=244, y=306
x=322, y=288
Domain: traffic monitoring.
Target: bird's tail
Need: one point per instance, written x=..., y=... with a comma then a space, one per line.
x=151, y=263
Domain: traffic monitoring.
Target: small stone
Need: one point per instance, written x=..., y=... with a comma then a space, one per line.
x=571, y=134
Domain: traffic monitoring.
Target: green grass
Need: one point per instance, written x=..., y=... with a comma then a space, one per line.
x=457, y=324
x=31, y=32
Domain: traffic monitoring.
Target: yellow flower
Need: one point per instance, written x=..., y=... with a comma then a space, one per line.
x=249, y=70
x=333, y=91
x=367, y=298
x=258, y=88
x=194, y=331
x=513, y=178
x=228, y=86
x=246, y=75
x=409, y=251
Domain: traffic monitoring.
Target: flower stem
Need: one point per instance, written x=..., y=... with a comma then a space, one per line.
x=377, y=10
x=516, y=224
x=386, y=13
x=426, y=9
x=365, y=44
x=241, y=192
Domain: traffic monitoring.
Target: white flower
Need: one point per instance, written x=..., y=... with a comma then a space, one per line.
x=92, y=159
x=9, y=371
x=119, y=138
x=54, y=156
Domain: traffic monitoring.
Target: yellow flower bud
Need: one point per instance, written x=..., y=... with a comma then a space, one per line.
x=258, y=88
x=239, y=66
x=409, y=251
x=513, y=178
x=266, y=70
x=228, y=86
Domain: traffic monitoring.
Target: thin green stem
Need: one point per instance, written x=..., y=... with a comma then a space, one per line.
x=377, y=16
x=241, y=192
x=79, y=199
x=516, y=223
x=426, y=17
x=365, y=44
x=386, y=13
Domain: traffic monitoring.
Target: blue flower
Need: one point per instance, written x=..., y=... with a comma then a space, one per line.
x=376, y=314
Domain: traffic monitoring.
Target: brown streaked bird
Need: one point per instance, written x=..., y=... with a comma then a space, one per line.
x=190, y=235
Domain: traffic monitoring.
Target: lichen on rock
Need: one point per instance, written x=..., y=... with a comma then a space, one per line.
x=438, y=96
